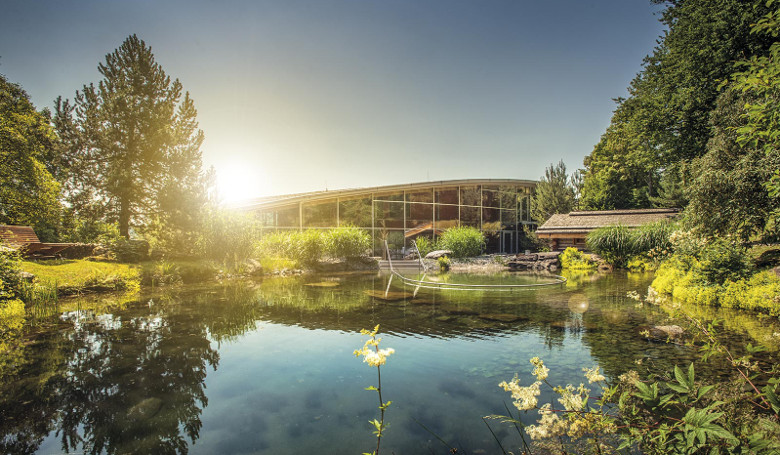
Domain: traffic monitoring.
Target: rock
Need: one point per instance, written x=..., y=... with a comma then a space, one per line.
x=390, y=296
x=146, y=409
x=526, y=257
x=253, y=267
x=502, y=317
x=26, y=276
x=664, y=333
x=437, y=254
x=548, y=255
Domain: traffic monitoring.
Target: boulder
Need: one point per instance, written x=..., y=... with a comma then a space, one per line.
x=26, y=276
x=253, y=267
x=437, y=254
x=673, y=333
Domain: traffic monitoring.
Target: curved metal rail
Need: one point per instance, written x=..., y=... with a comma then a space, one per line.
x=461, y=286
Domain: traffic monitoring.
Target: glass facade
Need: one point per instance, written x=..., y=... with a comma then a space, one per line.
x=400, y=216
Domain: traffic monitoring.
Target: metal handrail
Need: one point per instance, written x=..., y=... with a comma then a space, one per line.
x=466, y=287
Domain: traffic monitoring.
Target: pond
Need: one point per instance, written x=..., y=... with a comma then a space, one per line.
x=268, y=366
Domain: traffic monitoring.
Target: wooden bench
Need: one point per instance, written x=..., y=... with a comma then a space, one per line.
x=23, y=238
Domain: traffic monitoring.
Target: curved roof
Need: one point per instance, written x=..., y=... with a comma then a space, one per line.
x=285, y=199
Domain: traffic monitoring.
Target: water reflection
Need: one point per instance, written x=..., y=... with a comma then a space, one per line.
x=276, y=357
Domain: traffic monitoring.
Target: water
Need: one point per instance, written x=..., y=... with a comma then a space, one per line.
x=267, y=367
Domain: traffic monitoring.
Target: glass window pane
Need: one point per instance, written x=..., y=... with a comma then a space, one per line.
x=397, y=196
x=508, y=219
x=446, y=216
x=419, y=216
x=469, y=216
x=320, y=214
x=420, y=196
x=389, y=214
x=508, y=189
x=490, y=187
x=470, y=195
x=491, y=219
x=266, y=219
x=288, y=217
x=395, y=241
x=490, y=198
x=356, y=212
x=447, y=196
x=507, y=200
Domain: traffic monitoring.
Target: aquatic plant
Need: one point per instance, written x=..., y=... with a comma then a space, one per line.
x=375, y=357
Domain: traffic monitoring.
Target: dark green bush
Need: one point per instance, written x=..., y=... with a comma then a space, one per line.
x=723, y=260
x=10, y=264
x=464, y=241
x=125, y=250
x=613, y=243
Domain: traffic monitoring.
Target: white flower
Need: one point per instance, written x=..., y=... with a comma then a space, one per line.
x=548, y=426
x=540, y=371
x=525, y=397
x=570, y=400
x=593, y=375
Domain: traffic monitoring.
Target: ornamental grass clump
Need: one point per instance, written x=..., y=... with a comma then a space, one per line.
x=463, y=241
x=613, y=243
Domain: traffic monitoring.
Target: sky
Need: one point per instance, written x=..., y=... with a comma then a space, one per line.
x=298, y=96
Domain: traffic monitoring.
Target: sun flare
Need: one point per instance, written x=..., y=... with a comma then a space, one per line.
x=237, y=182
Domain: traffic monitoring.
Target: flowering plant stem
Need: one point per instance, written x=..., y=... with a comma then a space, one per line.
x=376, y=357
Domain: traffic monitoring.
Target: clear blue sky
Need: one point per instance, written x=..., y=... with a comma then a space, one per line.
x=296, y=95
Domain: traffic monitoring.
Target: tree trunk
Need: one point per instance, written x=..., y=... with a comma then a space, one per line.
x=124, y=217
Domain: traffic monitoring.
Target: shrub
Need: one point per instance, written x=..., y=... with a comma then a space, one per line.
x=444, y=263
x=574, y=259
x=347, y=242
x=723, y=260
x=311, y=246
x=613, y=243
x=424, y=245
x=304, y=247
x=126, y=250
x=463, y=241
x=9, y=273
x=531, y=242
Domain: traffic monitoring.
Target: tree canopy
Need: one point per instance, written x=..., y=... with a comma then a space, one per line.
x=555, y=193
x=665, y=121
x=28, y=191
x=133, y=144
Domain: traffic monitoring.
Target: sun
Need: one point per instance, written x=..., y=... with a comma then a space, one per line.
x=237, y=182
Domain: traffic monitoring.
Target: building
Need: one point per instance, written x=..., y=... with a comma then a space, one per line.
x=570, y=229
x=401, y=213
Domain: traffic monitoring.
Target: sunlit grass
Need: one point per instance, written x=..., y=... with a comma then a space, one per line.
x=73, y=276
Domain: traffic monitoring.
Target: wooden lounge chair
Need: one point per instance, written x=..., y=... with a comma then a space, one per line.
x=23, y=238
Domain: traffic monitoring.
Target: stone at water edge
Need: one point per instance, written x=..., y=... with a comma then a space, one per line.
x=437, y=254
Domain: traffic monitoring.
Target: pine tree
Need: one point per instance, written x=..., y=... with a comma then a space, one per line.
x=555, y=193
x=130, y=140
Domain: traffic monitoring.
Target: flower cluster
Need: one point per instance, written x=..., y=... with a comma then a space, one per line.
x=373, y=356
x=575, y=419
x=525, y=397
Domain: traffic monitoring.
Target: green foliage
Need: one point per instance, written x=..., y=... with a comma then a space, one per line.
x=28, y=191
x=89, y=231
x=227, y=237
x=126, y=250
x=555, y=193
x=133, y=145
x=424, y=245
x=725, y=260
x=463, y=241
x=305, y=247
x=531, y=242
x=574, y=259
x=444, y=263
x=613, y=243
x=347, y=242
x=665, y=121
x=653, y=237
x=10, y=266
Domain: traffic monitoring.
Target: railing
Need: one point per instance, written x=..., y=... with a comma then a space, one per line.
x=558, y=280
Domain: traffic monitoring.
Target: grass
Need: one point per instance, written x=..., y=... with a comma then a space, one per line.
x=76, y=276
x=157, y=273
